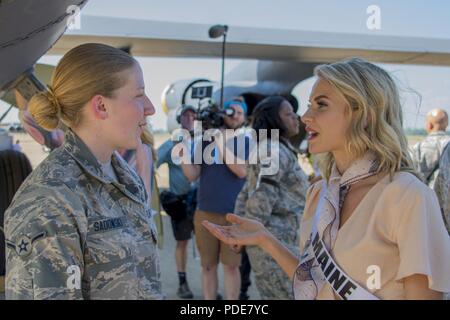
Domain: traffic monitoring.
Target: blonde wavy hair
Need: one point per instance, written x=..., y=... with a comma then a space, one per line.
x=375, y=111
x=85, y=71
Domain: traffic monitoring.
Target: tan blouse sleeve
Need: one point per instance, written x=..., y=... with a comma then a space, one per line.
x=423, y=242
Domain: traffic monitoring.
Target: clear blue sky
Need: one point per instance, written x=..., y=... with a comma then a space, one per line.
x=430, y=19
x=399, y=17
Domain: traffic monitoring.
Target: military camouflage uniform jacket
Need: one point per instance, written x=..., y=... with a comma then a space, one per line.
x=74, y=233
x=426, y=155
x=442, y=186
x=277, y=200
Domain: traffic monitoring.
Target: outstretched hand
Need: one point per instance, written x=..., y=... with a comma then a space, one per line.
x=241, y=232
x=248, y=232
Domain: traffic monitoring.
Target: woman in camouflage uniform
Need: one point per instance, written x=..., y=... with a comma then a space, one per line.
x=275, y=198
x=80, y=226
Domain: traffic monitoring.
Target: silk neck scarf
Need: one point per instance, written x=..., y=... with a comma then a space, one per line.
x=309, y=277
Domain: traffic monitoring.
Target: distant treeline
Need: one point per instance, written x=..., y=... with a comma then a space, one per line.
x=417, y=132
x=408, y=131
x=160, y=131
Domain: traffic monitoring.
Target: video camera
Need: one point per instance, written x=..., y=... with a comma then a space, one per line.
x=212, y=115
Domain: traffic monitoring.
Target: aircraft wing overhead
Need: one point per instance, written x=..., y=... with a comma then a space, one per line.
x=170, y=39
x=28, y=30
x=42, y=71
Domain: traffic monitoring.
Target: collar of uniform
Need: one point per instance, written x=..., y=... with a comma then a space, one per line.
x=289, y=145
x=130, y=183
x=81, y=153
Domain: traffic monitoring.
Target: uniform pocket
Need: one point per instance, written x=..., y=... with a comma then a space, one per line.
x=108, y=240
x=109, y=262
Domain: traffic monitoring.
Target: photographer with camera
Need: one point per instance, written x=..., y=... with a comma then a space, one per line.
x=219, y=184
x=175, y=201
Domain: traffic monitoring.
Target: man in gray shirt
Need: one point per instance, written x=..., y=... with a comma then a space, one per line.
x=426, y=154
x=442, y=186
x=180, y=185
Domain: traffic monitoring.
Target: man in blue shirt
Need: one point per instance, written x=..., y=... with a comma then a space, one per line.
x=180, y=186
x=219, y=184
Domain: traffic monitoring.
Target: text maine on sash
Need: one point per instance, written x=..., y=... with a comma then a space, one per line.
x=340, y=282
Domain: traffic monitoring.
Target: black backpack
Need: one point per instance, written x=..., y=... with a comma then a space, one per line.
x=178, y=207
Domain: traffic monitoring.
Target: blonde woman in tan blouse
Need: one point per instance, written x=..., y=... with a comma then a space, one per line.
x=371, y=229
